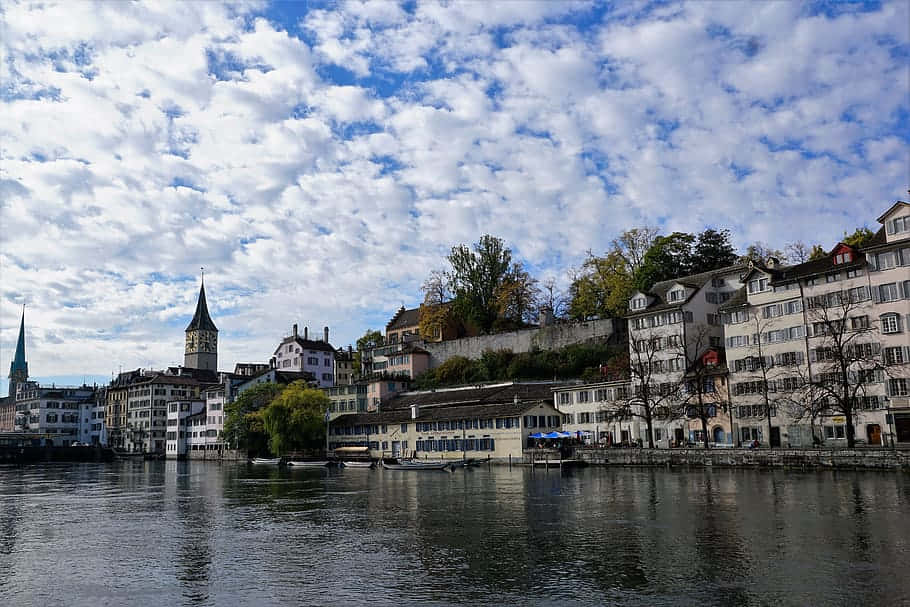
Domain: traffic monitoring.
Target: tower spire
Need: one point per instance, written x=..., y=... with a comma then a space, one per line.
x=18, y=368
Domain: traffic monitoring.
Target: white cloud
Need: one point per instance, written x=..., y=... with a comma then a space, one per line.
x=318, y=179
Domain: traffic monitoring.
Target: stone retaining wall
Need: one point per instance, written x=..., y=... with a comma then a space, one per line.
x=875, y=459
x=211, y=454
x=551, y=337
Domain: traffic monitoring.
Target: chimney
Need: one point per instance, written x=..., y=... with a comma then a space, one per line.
x=415, y=411
x=325, y=332
x=350, y=349
x=295, y=329
x=306, y=332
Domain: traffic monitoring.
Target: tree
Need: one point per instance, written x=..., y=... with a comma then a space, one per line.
x=517, y=296
x=295, y=419
x=859, y=238
x=601, y=288
x=712, y=251
x=603, y=284
x=369, y=340
x=701, y=398
x=817, y=252
x=475, y=278
x=845, y=359
x=758, y=372
x=761, y=252
x=669, y=257
x=243, y=421
x=650, y=398
x=552, y=299
x=797, y=252
x=436, y=311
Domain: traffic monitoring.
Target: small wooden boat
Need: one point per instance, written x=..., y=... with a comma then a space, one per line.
x=312, y=464
x=410, y=465
x=264, y=461
x=350, y=464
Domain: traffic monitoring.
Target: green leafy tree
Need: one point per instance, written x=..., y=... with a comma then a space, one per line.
x=243, y=421
x=476, y=277
x=295, y=419
x=669, y=257
x=459, y=370
x=713, y=251
x=859, y=238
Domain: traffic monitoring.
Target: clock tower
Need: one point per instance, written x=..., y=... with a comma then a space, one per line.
x=201, y=351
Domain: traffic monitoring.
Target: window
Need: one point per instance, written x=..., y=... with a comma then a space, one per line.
x=844, y=257
x=582, y=397
x=833, y=276
x=676, y=295
x=713, y=319
x=758, y=285
x=888, y=292
x=899, y=224
x=738, y=341
x=711, y=297
x=895, y=356
x=717, y=282
x=859, y=322
x=899, y=386
x=855, y=273
x=858, y=294
x=311, y=360
x=565, y=398
x=638, y=303
x=890, y=323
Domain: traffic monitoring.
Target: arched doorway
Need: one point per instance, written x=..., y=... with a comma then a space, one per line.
x=719, y=435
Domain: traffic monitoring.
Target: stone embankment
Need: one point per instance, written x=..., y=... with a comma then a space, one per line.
x=867, y=458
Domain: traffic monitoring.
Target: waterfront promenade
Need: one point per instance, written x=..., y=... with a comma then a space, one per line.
x=203, y=533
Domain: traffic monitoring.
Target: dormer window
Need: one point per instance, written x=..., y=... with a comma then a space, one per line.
x=899, y=225
x=845, y=257
x=676, y=295
x=758, y=285
x=638, y=303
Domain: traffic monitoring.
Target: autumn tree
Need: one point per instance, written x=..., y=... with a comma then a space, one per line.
x=817, y=252
x=436, y=310
x=517, y=297
x=761, y=252
x=700, y=397
x=603, y=284
x=295, y=419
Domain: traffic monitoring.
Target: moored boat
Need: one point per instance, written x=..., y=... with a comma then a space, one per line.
x=310, y=464
x=409, y=465
x=353, y=464
x=265, y=461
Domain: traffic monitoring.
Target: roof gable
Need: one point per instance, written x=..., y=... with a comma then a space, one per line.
x=900, y=204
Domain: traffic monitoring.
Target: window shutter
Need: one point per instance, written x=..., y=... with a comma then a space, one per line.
x=812, y=357
x=906, y=358
x=876, y=295
x=888, y=387
x=876, y=348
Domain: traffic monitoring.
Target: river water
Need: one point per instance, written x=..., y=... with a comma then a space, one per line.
x=167, y=533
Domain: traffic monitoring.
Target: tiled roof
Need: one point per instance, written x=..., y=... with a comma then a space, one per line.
x=695, y=281
x=467, y=411
x=496, y=393
x=404, y=318
x=739, y=299
x=306, y=344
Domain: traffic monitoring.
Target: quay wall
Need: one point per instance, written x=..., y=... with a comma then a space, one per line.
x=232, y=455
x=872, y=459
x=551, y=337
x=24, y=455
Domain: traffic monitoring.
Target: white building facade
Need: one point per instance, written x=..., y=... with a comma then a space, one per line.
x=302, y=354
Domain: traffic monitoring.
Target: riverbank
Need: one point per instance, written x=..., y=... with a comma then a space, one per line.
x=26, y=455
x=847, y=459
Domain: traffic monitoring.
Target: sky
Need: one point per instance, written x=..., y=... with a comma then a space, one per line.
x=318, y=159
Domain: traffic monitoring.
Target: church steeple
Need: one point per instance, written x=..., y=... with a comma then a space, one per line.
x=201, y=351
x=201, y=319
x=18, y=368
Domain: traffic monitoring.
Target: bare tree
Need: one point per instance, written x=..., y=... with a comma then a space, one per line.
x=797, y=252
x=553, y=298
x=701, y=397
x=759, y=365
x=654, y=394
x=436, y=288
x=845, y=361
x=632, y=245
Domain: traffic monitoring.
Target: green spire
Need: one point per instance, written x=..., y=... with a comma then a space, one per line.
x=19, y=363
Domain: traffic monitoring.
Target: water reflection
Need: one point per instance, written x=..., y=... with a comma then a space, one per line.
x=140, y=533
